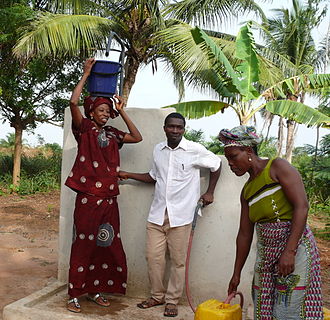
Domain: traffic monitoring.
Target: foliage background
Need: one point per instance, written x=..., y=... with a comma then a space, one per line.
x=41, y=169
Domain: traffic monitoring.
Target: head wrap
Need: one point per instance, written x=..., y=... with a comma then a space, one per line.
x=241, y=136
x=90, y=104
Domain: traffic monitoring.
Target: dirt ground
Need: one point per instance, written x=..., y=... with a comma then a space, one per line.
x=28, y=244
x=29, y=241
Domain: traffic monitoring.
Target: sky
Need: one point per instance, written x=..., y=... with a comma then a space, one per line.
x=157, y=90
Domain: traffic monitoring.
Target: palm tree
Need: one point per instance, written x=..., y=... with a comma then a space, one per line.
x=289, y=34
x=9, y=142
x=82, y=33
x=324, y=105
x=82, y=26
x=241, y=82
x=211, y=12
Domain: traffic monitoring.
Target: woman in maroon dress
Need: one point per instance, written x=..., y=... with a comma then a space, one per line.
x=98, y=261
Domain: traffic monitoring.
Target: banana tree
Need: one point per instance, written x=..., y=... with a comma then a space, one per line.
x=240, y=86
x=289, y=32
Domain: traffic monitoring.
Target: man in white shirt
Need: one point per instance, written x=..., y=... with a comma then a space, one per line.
x=176, y=173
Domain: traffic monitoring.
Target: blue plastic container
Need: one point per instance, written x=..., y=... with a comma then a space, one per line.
x=103, y=80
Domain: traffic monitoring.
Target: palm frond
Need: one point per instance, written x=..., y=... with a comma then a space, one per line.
x=218, y=59
x=269, y=73
x=276, y=57
x=199, y=109
x=96, y=7
x=138, y=13
x=298, y=112
x=195, y=66
x=185, y=52
x=311, y=83
x=62, y=34
x=210, y=12
x=289, y=34
x=324, y=51
x=198, y=68
x=58, y=6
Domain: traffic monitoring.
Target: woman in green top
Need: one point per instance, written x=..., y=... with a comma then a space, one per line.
x=286, y=283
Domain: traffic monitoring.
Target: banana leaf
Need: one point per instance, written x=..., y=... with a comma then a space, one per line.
x=199, y=109
x=298, y=112
x=219, y=60
x=249, y=67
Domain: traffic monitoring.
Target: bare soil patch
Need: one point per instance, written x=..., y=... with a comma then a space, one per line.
x=29, y=246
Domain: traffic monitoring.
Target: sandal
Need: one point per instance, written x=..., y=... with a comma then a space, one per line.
x=73, y=305
x=149, y=303
x=99, y=299
x=171, y=310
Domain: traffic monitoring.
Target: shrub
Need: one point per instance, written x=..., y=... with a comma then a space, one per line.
x=39, y=173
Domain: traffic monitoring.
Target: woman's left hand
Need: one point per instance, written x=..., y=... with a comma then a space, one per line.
x=119, y=102
x=286, y=263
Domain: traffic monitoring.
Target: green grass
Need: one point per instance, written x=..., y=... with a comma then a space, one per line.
x=38, y=174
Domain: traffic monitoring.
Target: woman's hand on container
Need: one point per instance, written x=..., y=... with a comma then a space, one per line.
x=88, y=65
x=119, y=102
x=286, y=263
x=233, y=284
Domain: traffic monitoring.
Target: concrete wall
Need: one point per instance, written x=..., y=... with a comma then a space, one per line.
x=213, y=250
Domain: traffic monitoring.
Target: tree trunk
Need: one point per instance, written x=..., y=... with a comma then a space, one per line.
x=131, y=69
x=291, y=133
x=17, y=157
x=268, y=120
x=315, y=155
x=269, y=125
x=317, y=143
x=292, y=128
x=280, y=137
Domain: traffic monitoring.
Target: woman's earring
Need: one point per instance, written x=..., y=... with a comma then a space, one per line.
x=250, y=159
x=91, y=117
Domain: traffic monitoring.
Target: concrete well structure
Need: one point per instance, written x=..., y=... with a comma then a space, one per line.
x=213, y=249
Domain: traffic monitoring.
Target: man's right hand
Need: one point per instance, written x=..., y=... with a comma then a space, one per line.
x=123, y=175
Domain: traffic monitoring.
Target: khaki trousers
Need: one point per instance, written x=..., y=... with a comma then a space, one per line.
x=159, y=239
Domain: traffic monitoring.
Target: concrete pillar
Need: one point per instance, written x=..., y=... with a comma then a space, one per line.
x=213, y=250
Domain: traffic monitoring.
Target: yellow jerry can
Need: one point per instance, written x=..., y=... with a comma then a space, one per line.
x=326, y=314
x=215, y=310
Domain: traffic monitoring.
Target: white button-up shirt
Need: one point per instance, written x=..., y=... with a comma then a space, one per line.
x=177, y=175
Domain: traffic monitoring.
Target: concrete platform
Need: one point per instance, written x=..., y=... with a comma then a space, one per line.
x=50, y=304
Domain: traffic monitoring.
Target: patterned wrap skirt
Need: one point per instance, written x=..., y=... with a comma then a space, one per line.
x=98, y=261
x=296, y=296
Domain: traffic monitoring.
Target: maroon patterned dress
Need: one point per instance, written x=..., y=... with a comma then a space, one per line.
x=98, y=261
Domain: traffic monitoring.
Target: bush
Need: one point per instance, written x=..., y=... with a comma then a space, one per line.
x=43, y=181
x=6, y=164
x=38, y=174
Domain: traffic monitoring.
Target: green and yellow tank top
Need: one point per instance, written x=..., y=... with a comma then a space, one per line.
x=266, y=199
